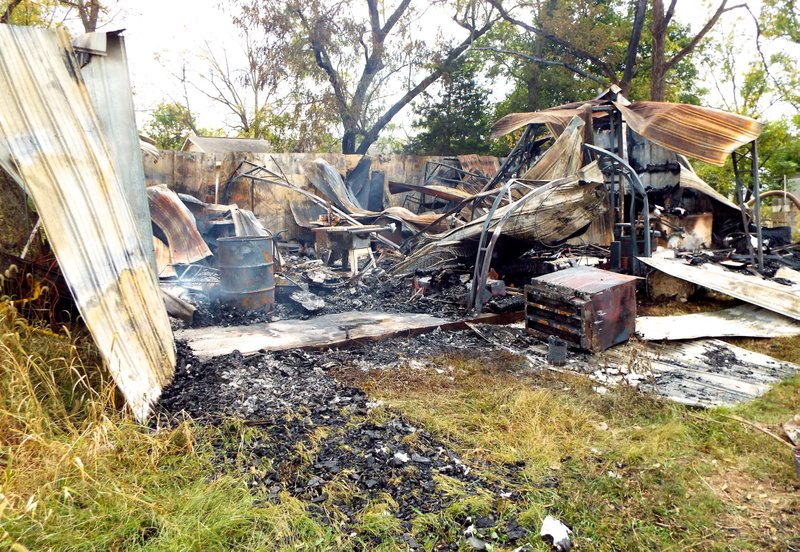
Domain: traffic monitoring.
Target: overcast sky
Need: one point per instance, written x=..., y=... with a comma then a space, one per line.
x=162, y=35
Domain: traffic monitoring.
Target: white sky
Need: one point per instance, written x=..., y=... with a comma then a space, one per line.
x=162, y=35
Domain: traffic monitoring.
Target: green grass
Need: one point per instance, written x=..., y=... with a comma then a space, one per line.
x=78, y=475
x=625, y=470
x=631, y=471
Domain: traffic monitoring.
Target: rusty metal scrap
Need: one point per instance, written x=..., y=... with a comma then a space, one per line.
x=163, y=259
x=169, y=213
x=563, y=158
x=104, y=68
x=50, y=130
x=699, y=132
x=702, y=133
x=752, y=289
x=554, y=211
x=688, y=179
x=590, y=308
x=556, y=119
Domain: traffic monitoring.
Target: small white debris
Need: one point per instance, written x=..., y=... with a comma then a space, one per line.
x=556, y=533
x=401, y=457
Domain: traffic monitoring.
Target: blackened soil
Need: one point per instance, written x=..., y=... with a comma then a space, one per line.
x=314, y=437
x=444, y=296
x=217, y=313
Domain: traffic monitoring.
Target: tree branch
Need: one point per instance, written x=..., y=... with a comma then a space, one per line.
x=324, y=62
x=607, y=70
x=6, y=16
x=395, y=17
x=371, y=135
x=670, y=12
x=633, y=44
x=574, y=69
x=686, y=50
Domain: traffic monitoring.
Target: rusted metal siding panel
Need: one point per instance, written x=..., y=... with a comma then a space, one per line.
x=485, y=165
x=168, y=212
x=195, y=174
x=755, y=290
x=48, y=124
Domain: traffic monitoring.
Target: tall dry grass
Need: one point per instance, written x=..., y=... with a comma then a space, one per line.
x=78, y=473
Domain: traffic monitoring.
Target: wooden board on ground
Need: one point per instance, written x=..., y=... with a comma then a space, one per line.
x=327, y=330
x=741, y=321
x=703, y=373
x=749, y=288
x=323, y=332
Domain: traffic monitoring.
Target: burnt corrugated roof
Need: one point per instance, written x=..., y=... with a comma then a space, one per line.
x=702, y=133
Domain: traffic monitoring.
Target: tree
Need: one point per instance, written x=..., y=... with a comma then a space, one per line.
x=536, y=86
x=604, y=59
x=587, y=37
x=47, y=13
x=89, y=12
x=362, y=51
x=661, y=64
x=457, y=121
x=781, y=18
x=170, y=124
x=40, y=13
x=748, y=85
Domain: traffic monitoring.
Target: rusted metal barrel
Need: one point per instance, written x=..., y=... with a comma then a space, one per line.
x=246, y=272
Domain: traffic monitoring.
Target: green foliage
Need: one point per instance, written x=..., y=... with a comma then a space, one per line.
x=457, y=121
x=779, y=152
x=169, y=126
x=781, y=18
x=306, y=128
x=171, y=123
x=779, y=156
x=37, y=13
x=750, y=88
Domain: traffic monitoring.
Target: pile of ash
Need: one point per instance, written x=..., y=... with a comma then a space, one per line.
x=313, y=437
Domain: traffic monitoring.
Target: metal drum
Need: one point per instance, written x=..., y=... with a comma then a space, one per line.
x=246, y=272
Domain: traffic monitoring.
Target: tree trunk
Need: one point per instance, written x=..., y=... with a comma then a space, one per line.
x=349, y=142
x=633, y=45
x=534, y=80
x=659, y=62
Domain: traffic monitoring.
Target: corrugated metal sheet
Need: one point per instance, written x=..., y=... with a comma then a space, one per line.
x=246, y=224
x=755, y=290
x=108, y=83
x=213, y=144
x=52, y=133
x=699, y=132
x=563, y=158
x=485, y=165
x=688, y=179
x=169, y=213
x=163, y=259
x=556, y=120
x=702, y=133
